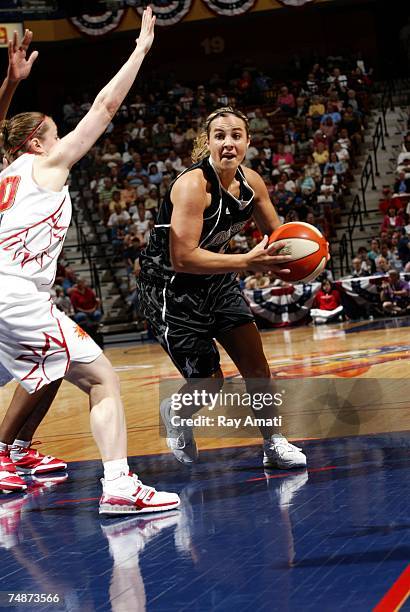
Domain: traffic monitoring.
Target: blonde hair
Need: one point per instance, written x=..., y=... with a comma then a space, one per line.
x=19, y=130
x=201, y=148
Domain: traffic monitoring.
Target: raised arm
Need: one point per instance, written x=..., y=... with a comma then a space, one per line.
x=18, y=69
x=189, y=199
x=75, y=145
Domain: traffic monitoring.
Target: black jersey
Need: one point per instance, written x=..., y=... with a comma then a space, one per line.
x=225, y=217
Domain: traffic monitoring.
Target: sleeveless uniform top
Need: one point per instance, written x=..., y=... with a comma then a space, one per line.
x=33, y=225
x=224, y=217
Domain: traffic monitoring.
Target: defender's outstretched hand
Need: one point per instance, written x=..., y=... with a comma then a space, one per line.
x=146, y=37
x=20, y=67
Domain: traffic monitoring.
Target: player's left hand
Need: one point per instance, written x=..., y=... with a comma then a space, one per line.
x=19, y=67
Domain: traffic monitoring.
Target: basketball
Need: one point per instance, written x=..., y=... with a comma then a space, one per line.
x=307, y=247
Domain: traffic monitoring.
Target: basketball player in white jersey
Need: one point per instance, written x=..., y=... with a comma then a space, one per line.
x=29, y=409
x=38, y=343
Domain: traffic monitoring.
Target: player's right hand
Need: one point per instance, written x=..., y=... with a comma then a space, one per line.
x=19, y=67
x=264, y=257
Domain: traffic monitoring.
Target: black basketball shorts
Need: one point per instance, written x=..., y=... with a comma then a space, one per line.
x=185, y=318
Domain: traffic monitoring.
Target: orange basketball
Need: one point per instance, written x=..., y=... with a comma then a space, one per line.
x=307, y=247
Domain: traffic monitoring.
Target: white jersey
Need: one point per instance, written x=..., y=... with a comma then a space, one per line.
x=33, y=225
x=37, y=341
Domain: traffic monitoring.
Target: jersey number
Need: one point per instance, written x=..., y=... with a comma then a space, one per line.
x=8, y=190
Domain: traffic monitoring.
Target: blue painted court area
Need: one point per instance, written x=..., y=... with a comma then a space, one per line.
x=333, y=538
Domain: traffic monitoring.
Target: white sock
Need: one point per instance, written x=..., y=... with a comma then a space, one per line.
x=115, y=469
x=18, y=449
x=21, y=443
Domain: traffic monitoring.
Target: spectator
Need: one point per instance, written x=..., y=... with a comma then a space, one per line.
x=359, y=268
x=310, y=218
x=286, y=101
x=152, y=201
x=119, y=218
x=259, y=280
x=112, y=157
x=301, y=107
x=406, y=226
x=141, y=222
x=337, y=166
x=332, y=113
x=338, y=80
x=136, y=175
x=105, y=192
x=402, y=184
x=128, y=193
x=85, y=304
x=62, y=301
x=381, y=266
x=374, y=251
x=362, y=255
x=395, y=294
x=311, y=84
x=161, y=139
x=239, y=243
x=175, y=161
x=316, y=108
x=259, y=125
x=116, y=199
x=281, y=160
x=392, y=220
x=178, y=139
x=403, y=248
x=140, y=133
x=327, y=305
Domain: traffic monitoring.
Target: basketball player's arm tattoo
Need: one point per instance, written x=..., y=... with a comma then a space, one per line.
x=18, y=69
x=264, y=213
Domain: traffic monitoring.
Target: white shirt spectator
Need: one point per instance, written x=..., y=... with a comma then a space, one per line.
x=241, y=242
x=140, y=226
x=116, y=219
x=251, y=153
x=159, y=164
x=402, y=156
x=175, y=162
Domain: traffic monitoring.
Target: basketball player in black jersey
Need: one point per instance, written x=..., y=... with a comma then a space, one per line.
x=187, y=286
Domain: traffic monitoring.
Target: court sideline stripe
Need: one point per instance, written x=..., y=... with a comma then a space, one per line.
x=396, y=596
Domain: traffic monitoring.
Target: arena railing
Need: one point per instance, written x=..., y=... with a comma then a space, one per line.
x=367, y=176
x=343, y=254
x=84, y=248
x=354, y=219
x=377, y=138
x=386, y=103
x=86, y=256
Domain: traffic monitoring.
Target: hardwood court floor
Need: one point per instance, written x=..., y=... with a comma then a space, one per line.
x=377, y=350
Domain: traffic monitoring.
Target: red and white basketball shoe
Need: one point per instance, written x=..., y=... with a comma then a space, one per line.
x=11, y=507
x=30, y=461
x=9, y=479
x=128, y=495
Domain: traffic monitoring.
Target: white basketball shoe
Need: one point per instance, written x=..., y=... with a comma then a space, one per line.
x=279, y=453
x=180, y=439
